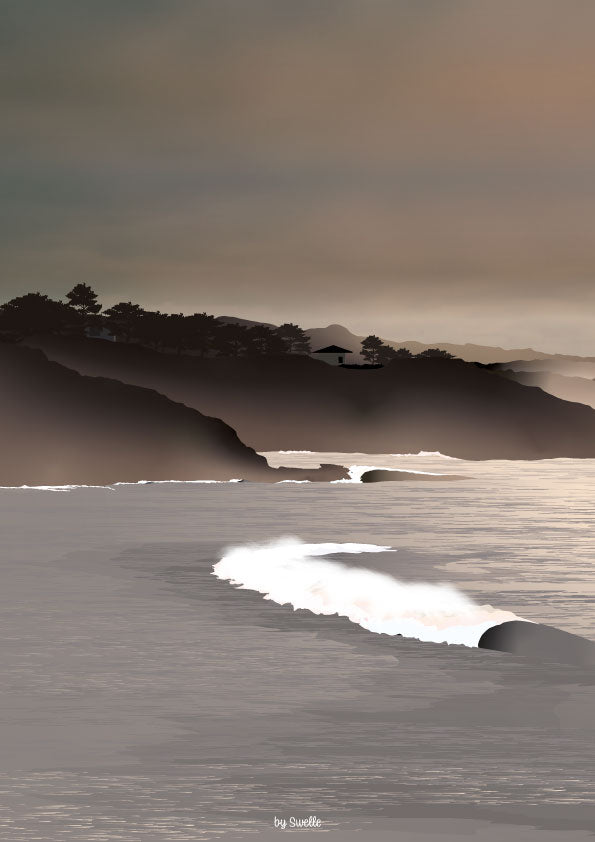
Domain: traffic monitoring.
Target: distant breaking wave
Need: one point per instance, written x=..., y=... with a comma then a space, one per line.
x=429, y=453
x=112, y=486
x=289, y=571
x=350, y=453
x=51, y=487
x=356, y=471
x=178, y=481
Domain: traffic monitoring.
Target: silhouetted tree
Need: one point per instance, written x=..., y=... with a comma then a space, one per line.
x=202, y=330
x=403, y=354
x=386, y=354
x=436, y=352
x=176, y=332
x=371, y=346
x=82, y=298
x=124, y=318
x=149, y=328
x=231, y=340
x=296, y=339
x=264, y=340
x=36, y=313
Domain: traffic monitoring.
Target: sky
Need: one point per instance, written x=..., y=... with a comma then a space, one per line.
x=419, y=169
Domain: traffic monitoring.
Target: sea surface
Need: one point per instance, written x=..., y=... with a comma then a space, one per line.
x=144, y=696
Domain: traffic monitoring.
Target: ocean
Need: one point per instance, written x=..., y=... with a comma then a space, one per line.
x=204, y=661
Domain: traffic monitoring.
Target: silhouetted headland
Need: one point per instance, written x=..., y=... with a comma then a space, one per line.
x=293, y=402
x=58, y=427
x=569, y=380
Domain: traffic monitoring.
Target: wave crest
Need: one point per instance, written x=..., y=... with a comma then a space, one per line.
x=289, y=571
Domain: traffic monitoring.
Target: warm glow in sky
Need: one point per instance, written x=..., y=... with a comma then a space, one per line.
x=423, y=169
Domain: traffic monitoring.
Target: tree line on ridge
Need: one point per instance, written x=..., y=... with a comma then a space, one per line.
x=199, y=333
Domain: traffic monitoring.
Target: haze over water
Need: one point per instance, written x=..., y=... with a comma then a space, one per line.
x=144, y=698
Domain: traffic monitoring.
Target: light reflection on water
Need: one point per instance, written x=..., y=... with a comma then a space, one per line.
x=142, y=698
x=519, y=533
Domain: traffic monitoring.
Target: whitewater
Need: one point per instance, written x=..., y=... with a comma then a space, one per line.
x=190, y=660
x=290, y=571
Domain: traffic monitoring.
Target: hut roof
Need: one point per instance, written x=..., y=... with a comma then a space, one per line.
x=332, y=349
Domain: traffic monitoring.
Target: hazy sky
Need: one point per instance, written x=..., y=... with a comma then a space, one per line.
x=422, y=169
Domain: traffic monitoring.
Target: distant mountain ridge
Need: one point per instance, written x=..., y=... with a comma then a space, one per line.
x=570, y=380
x=336, y=334
x=573, y=389
x=235, y=320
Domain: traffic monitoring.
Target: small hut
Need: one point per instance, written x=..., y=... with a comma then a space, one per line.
x=332, y=354
x=97, y=332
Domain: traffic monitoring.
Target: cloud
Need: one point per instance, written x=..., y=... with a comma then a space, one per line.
x=413, y=161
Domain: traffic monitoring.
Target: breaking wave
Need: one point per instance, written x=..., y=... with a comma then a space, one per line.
x=429, y=453
x=51, y=487
x=289, y=571
x=356, y=471
x=179, y=482
x=112, y=486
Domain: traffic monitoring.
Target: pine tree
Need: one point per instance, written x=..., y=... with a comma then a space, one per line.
x=371, y=347
x=295, y=338
x=231, y=340
x=123, y=319
x=264, y=340
x=83, y=299
x=34, y=313
x=386, y=354
x=436, y=352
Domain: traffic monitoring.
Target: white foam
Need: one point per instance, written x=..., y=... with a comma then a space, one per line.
x=112, y=486
x=356, y=471
x=178, y=482
x=289, y=571
x=360, y=453
x=435, y=453
x=52, y=487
